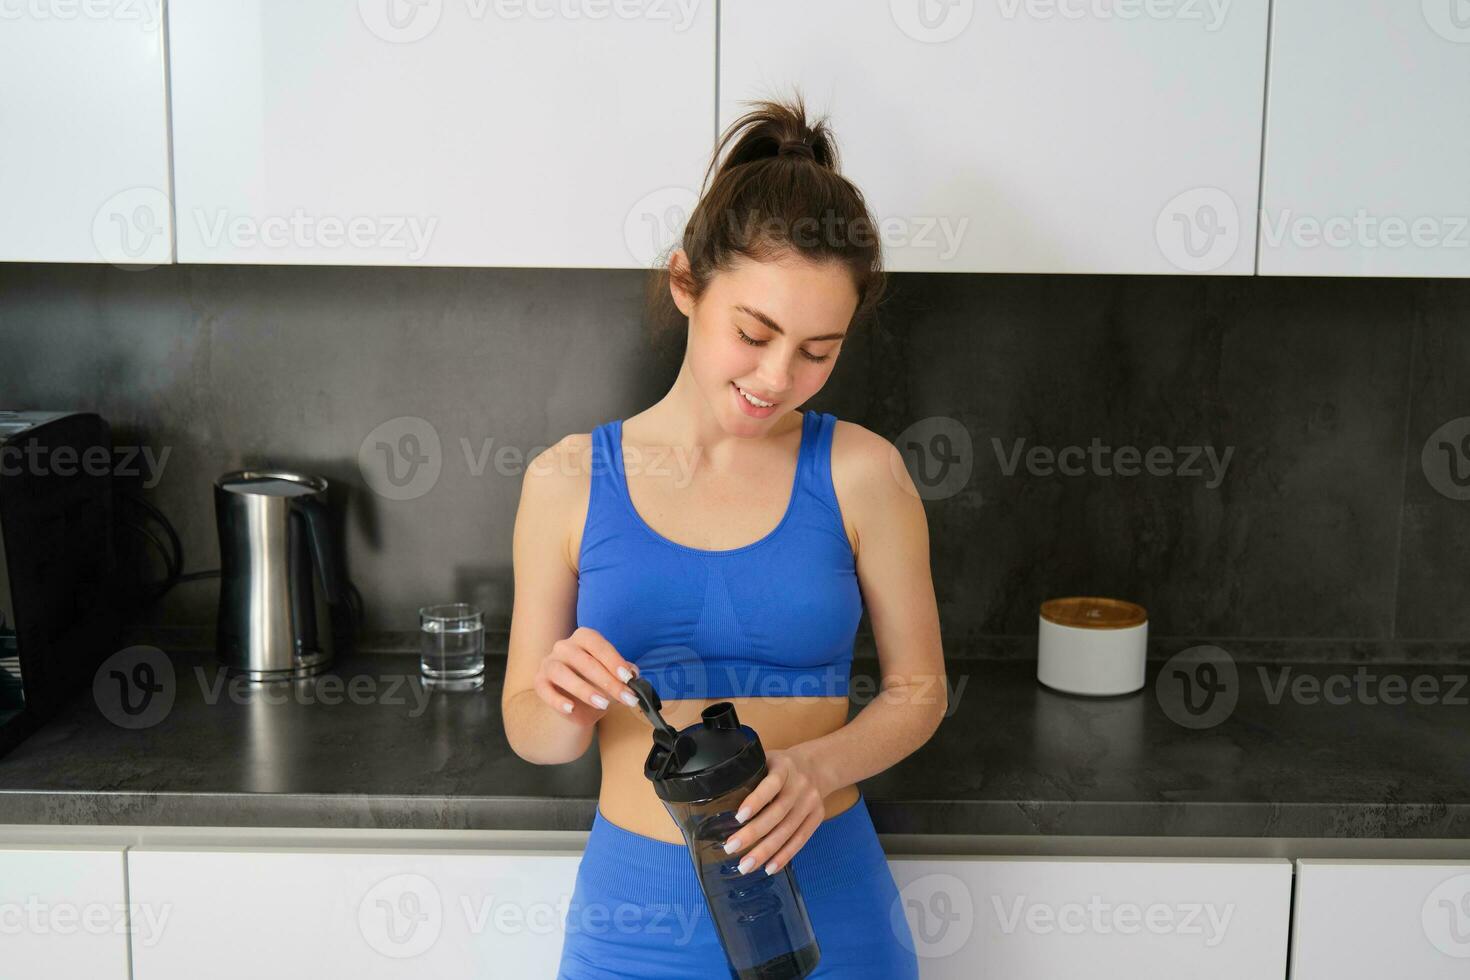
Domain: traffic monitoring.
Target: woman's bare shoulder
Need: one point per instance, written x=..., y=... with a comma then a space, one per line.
x=555, y=491
x=868, y=475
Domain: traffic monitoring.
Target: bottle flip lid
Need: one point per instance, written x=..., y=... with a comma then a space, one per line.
x=708, y=759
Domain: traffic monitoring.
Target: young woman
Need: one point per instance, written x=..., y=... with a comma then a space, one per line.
x=722, y=543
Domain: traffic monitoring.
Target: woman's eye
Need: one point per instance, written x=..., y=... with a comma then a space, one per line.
x=761, y=343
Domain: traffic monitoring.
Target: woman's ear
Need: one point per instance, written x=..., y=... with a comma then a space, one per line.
x=679, y=272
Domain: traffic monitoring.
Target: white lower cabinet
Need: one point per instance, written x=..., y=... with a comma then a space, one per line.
x=1046, y=918
x=63, y=913
x=1367, y=920
x=245, y=914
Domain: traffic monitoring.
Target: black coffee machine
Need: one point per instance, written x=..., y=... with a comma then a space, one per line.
x=58, y=605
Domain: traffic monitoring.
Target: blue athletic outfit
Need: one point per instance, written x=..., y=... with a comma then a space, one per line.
x=774, y=618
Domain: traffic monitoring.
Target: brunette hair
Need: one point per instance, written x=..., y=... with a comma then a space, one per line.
x=778, y=191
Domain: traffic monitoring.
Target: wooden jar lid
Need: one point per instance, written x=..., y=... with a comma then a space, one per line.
x=1093, y=613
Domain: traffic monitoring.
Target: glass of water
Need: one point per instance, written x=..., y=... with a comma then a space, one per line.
x=452, y=645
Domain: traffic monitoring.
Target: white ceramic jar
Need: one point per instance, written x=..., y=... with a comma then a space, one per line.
x=1091, y=645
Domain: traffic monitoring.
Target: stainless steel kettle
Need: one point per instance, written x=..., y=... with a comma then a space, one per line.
x=279, y=578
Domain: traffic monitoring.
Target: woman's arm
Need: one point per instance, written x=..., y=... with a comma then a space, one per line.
x=544, y=607
x=888, y=518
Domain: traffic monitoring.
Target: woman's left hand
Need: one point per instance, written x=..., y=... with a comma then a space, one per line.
x=780, y=814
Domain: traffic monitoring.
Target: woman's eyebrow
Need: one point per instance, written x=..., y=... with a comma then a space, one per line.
x=777, y=327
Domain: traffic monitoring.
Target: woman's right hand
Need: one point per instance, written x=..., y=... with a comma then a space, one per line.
x=581, y=675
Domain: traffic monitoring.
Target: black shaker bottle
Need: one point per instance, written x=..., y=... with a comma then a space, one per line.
x=701, y=774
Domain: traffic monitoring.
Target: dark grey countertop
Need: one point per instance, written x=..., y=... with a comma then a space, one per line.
x=371, y=748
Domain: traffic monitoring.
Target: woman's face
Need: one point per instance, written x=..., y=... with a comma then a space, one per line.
x=770, y=329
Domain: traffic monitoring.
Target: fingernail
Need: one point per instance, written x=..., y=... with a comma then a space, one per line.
x=745, y=866
x=624, y=674
x=566, y=706
x=629, y=699
x=742, y=815
x=732, y=845
x=772, y=868
x=599, y=700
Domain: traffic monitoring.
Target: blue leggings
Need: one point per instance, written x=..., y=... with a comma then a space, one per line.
x=637, y=911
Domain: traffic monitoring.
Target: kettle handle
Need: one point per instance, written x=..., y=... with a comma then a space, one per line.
x=318, y=533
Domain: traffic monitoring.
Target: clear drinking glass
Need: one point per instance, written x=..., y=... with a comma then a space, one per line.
x=451, y=644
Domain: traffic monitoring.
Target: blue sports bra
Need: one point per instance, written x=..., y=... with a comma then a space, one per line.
x=773, y=618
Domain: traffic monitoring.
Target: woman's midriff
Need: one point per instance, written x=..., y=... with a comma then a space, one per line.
x=624, y=738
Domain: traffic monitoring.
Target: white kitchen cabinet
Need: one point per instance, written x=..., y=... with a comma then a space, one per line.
x=1044, y=918
x=64, y=913
x=1367, y=140
x=83, y=133
x=305, y=914
x=442, y=134
x=1028, y=135
x=1366, y=920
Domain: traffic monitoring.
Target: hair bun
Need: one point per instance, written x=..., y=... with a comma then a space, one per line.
x=796, y=148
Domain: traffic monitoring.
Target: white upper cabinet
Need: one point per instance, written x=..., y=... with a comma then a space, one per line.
x=1367, y=169
x=1028, y=135
x=393, y=132
x=83, y=133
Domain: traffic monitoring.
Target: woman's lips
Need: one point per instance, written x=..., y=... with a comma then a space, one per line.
x=749, y=409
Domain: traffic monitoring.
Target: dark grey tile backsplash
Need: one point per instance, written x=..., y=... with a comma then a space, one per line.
x=1261, y=461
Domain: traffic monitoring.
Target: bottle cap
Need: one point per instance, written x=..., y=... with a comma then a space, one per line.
x=710, y=758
